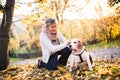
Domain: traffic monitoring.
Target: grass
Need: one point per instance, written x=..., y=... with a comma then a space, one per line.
x=104, y=45
x=15, y=59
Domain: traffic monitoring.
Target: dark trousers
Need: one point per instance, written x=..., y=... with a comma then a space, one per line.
x=53, y=62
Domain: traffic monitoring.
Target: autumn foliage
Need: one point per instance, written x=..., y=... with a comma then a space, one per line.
x=103, y=70
x=91, y=31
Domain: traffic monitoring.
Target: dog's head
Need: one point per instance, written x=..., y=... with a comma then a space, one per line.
x=76, y=46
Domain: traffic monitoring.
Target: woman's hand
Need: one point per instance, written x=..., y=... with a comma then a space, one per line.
x=68, y=42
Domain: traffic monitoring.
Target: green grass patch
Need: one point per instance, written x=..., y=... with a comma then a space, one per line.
x=12, y=59
x=103, y=45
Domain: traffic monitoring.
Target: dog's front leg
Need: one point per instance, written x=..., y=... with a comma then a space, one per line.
x=71, y=65
x=88, y=62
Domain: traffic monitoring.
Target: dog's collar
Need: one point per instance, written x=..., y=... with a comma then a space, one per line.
x=81, y=51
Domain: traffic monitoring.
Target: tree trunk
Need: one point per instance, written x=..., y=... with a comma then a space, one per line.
x=4, y=33
x=110, y=35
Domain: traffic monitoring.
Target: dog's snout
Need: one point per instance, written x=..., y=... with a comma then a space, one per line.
x=70, y=46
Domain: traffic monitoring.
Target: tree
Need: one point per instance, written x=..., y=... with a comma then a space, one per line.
x=4, y=33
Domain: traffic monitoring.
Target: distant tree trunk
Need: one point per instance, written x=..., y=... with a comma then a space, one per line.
x=110, y=34
x=4, y=33
x=94, y=36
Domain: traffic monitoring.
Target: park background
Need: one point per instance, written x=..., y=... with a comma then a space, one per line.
x=95, y=22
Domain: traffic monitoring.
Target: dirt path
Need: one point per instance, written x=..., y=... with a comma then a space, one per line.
x=101, y=54
x=106, y=53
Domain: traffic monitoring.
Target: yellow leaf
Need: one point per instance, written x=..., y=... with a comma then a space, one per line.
x=49, y=13
x=30, y=5
x=9, y=77
x=17, y=6
x=62, y=69
x=55, y=73
x=68, y=76
x=45, y=1
x=37, y=0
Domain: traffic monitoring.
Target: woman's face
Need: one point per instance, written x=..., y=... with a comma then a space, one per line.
x=52, y=28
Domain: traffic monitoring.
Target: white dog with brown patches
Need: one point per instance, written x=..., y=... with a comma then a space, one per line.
x=79, y=55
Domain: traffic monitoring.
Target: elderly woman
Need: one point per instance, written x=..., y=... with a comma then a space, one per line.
x=53, y=43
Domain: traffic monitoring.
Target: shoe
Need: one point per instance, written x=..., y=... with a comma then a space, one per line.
x=39, y=63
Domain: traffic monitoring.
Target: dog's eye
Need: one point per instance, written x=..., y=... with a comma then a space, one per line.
x=75, y=42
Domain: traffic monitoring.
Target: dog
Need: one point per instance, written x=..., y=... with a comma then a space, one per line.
x=79, y=55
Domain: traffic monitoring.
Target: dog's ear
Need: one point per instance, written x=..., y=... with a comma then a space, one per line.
x=84, y=44
x=80, y=45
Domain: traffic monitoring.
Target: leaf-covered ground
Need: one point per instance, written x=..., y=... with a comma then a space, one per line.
x=103, y=70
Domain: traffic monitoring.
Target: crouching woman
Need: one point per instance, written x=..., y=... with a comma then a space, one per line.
x=52, y=43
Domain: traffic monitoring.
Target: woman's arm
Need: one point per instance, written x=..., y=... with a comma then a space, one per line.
x=45, y=41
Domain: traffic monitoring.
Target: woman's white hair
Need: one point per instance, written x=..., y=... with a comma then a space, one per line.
x=49, y=21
